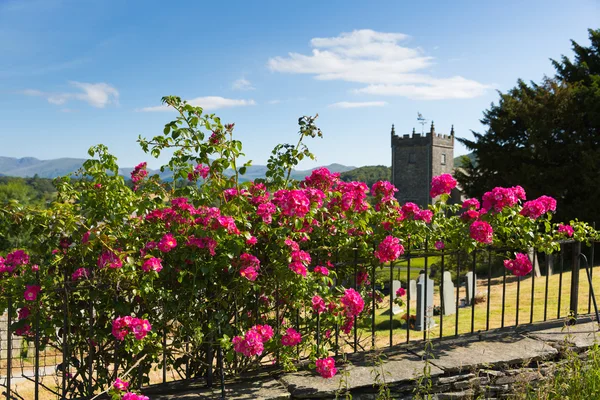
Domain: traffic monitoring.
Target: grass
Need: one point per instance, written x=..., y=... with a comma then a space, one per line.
x=382, y=274
x=446, y=326
x=576, y=378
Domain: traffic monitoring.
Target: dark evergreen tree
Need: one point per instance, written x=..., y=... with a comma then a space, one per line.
x=545, y=137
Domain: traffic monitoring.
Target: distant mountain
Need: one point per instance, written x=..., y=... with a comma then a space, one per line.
x=29, y=167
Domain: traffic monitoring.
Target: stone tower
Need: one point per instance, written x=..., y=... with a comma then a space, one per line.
x=416, y=159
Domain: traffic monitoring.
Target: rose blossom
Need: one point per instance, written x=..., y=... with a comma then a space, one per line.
x=389, y=249
x=31, y=292
x=120, y=384
x=520, y=266
x=442, y=184
x=291, y=337
x=566, y=229
x=152, y=264
x=326, y=367
x=482, y=232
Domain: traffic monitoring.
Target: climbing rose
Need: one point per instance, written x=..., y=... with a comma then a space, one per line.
x=265, y=211
x=442, y=184
x=439, y=245
x=362, y=277
x=120, y=384
x=482, y=232
x=499, y=198
x=389, y=249
x=470, y=215
x=424, y=215
x=322, y=179
x=199, y=170
x=152, y=264
x=138, y=173
x=167, y=243
x=31, y=292
x=109, y=259
x=354, y=196
x=384, y=189
x=347, y=325
x=409, y=209
x=471, y=204
x=326, y=367
x=533, y=209
x=291, y=337
x=249, y=273
x=566, y=229
x=80, y=273
x=298, y=268
x=353, y=302
x=548, y=202
x=17, y=257
x=252, y=344
x=520, y=266
x=321, y=270
x=24, y=313
x=265, y=332
x=122, y=326
x=292, y=202
x=318, y=304
x=133, y=396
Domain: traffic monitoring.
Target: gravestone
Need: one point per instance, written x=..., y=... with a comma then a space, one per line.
x=471, y=280
x=448, y=295
x=16, y=341
x=424, y=304
x=395, y=286
x=412, y=289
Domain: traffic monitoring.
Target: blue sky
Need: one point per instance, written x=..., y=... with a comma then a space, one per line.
x=77, y=73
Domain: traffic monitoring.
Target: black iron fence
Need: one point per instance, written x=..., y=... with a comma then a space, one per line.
x=447, y=294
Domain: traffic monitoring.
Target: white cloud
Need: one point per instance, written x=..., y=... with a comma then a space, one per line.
x=435, y=89
x=354, y=104
x=242, y=84
x=207, y=103
x=379, y=61
x=97, y=95
x=276, y=101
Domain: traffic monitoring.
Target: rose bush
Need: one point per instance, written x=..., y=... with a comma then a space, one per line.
x=178, y=268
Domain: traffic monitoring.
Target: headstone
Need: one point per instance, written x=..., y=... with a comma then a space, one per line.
x=412, y=289
x=17, y=341
x=395, y=286
x=424, y=304
x=448, y=295
x=536, y=262
x=471, y=280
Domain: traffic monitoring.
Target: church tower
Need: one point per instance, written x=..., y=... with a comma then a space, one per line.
x=416, y=159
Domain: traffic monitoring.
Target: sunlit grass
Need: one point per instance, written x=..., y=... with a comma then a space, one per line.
x=446, y=325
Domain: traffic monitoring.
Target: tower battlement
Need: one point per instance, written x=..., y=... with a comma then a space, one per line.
x=418, y=139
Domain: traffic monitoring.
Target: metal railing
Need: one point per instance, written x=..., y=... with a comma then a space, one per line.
x=39, y=366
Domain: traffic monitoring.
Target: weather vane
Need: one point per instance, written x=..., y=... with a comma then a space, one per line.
x=422, y=121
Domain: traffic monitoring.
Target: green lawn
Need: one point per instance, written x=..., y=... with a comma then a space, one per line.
x=382, y=274
x=447, y=324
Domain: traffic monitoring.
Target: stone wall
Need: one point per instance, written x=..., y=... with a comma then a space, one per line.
x=485, y=365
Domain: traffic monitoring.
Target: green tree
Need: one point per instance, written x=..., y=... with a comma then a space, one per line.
x=545, y=137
